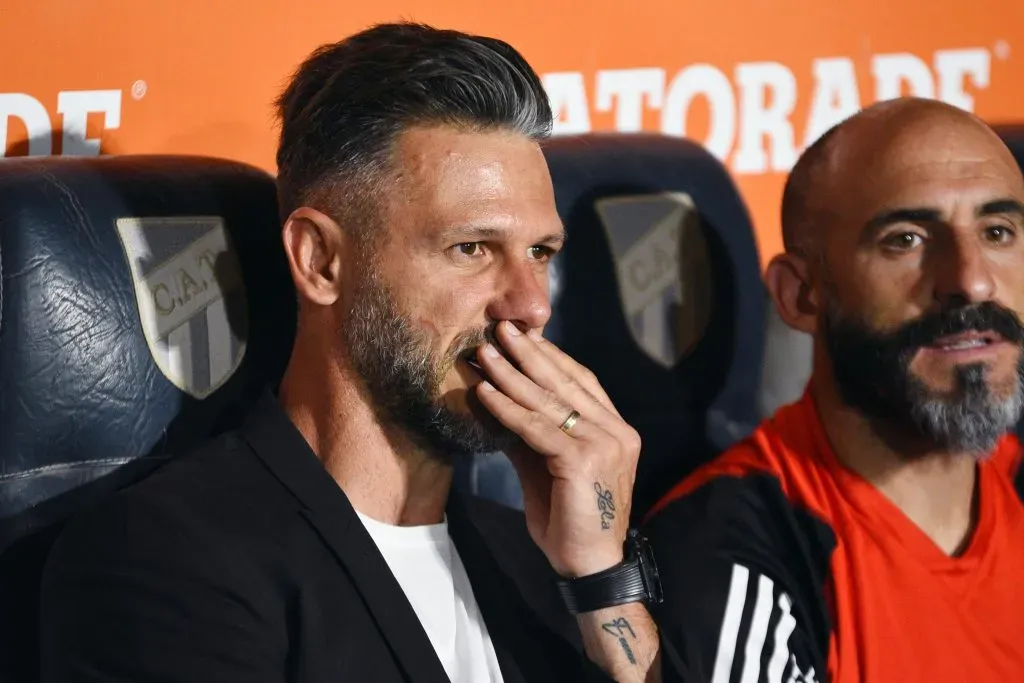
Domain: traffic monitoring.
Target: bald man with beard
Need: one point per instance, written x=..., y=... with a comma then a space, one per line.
x=874, y=530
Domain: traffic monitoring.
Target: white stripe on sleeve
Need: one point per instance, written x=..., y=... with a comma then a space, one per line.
x=758, y=629
x=731, y=624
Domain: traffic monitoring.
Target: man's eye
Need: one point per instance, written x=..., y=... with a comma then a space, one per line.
x=1000, y=234
x=541, y=253
x=470, y=248
x=902, y=241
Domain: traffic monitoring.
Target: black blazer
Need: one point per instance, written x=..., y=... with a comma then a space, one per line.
x=245, y=563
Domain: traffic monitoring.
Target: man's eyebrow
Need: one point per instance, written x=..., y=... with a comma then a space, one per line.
x=555, y=238
x=929, y=215
x=999, y=206
x=884, y=219
x=473, y=233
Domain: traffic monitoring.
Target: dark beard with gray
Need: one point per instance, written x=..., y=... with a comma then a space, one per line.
x=872, y=372
x=403, y=377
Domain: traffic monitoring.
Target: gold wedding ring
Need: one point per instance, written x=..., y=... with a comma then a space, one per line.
x=570, y=422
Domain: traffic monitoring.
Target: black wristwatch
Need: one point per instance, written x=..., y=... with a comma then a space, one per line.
x=635, y=579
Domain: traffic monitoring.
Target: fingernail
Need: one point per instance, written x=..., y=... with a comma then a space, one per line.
x=487, y=386
x=490, y=351
x=512, y=329
x=535, y=335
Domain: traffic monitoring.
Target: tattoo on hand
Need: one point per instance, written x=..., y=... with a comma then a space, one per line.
x=619, y=628
x=606, y=504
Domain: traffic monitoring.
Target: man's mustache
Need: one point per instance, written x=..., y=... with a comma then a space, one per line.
x=987, y=316
x=464, y=346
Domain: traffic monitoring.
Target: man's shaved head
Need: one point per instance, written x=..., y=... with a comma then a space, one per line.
x=904, y=257
x=802, y=208
x=838, y=157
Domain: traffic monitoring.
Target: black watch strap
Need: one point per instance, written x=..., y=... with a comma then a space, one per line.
x=635, y=579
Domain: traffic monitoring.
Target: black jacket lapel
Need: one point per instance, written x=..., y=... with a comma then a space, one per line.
x=281, y=447
x=533, y=634
x=501, y=533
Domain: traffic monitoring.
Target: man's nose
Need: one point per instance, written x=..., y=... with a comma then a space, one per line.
x=963, y=272
x=522, y=296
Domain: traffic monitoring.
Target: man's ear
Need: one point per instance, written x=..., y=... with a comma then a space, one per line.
x=316, y=249
x=789, y=282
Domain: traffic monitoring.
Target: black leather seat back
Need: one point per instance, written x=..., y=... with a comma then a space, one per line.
x=659, y=292
x=1013, y=136
x=143, y=300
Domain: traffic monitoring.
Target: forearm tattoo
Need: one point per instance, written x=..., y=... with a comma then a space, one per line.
x=606, y=504
x=620, y=628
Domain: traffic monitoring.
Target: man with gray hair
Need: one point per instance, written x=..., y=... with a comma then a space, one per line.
x=874, y=530
x=322, y=542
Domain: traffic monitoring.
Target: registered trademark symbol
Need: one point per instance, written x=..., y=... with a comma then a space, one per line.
x=1001, y=50
x=139, y=89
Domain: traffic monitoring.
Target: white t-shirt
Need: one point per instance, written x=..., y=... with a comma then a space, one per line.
x=428, y=568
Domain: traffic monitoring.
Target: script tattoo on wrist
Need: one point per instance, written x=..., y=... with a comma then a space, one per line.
x=620, y=628
x=605, y=504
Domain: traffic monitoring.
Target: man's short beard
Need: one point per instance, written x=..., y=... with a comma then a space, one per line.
x=403, y=376
x=872, y=373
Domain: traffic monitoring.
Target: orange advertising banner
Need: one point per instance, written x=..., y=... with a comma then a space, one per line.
x=754, y=80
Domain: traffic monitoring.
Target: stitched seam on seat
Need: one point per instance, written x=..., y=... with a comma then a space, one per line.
x=46, y=469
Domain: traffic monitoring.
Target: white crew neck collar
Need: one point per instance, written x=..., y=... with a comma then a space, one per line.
x=426, y=534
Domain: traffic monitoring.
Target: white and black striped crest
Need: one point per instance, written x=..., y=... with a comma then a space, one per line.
x=662, y=268
x=191, y=298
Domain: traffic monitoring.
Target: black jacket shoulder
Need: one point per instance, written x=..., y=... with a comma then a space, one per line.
x=744, y=571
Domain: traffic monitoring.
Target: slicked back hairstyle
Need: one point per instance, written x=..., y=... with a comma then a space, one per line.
x=347, y=103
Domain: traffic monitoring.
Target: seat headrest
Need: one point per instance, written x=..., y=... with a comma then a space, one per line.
x=1013, y=136
x=658, y=291
x=142, y=299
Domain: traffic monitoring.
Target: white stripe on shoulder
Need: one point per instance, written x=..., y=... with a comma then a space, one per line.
x=731, y=624
x=764, y=608
x=758, y=629
x=784, y=629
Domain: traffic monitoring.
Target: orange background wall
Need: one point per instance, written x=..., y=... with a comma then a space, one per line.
x=198, y=76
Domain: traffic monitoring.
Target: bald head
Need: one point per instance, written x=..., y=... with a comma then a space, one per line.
x=870, y=147
x=904, y=232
